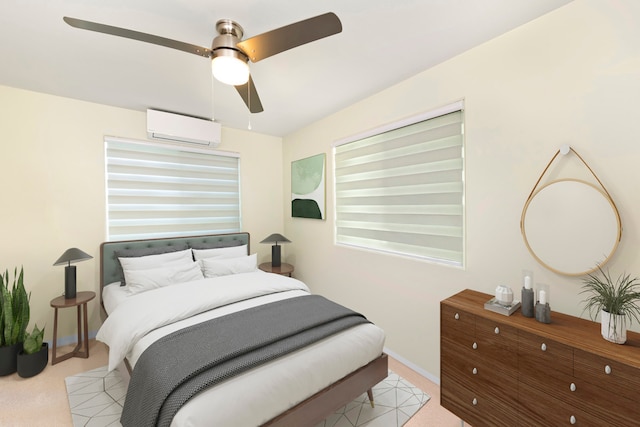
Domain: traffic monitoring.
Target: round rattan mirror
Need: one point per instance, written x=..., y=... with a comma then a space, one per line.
x=571, y=226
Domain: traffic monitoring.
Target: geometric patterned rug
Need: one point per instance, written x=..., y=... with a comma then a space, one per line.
x=396, y=400
x=96, y=399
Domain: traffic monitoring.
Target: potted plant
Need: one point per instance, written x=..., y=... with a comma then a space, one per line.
x=35, y=354
x=615, y=301
x=14, y=318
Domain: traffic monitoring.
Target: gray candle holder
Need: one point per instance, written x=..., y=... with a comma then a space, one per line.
x=543, y=313
x=527, y=302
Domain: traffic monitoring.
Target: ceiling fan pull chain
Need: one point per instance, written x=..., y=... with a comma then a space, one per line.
x=213, y=100
x=249, y=102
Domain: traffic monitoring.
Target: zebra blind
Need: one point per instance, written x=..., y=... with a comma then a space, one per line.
x=164, y=191
x=402, y=190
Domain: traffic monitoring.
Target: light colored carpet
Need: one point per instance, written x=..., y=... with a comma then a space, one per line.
x=96, y=398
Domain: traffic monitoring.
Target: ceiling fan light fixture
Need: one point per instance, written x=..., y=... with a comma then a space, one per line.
x=229, y=68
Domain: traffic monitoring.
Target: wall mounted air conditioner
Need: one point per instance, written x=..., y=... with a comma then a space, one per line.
x=170, y=127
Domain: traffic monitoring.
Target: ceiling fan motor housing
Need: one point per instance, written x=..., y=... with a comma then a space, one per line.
x=230, y=34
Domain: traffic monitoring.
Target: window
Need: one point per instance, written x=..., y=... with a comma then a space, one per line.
x=400, y=189
x=163, y=191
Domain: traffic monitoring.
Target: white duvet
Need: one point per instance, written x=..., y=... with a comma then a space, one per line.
x=141, y=313
x=250, y=399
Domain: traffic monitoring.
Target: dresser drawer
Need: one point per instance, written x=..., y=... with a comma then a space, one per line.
x=539, y=409
x=477, y=409
x=479, y=374
x=456, y=323
x=616, y=377
x=587, y=398
x=555, y=385
x=544, y=355
x=616, y=409
x=498, y=342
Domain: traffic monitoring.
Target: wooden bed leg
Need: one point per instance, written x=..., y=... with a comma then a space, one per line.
x=370, y=394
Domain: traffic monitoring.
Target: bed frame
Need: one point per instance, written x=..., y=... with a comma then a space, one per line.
x=307, y=413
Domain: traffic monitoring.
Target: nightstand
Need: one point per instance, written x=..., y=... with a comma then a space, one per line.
x=80, y=301
x=284, y=269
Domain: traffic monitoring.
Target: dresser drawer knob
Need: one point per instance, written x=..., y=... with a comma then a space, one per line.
x=456, y=316
x=475, y=371
x=543, y=347
x=474, y=401
x=572, y=419
x=475, y=346
x=573, y=387
x=607, y=369
x=496, y=330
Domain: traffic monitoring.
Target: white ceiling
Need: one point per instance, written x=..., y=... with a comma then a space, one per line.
x=382, y=43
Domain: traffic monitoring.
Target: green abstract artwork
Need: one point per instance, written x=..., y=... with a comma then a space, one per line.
x=308, y=187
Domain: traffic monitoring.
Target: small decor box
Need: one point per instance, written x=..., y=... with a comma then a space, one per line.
x=507, y=310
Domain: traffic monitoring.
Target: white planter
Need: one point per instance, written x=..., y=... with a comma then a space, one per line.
x=613, y=327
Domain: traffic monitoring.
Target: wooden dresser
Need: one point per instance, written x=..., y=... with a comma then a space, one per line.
x=498, y=370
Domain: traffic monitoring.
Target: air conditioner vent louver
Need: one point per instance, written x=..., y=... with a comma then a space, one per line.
x=172, y=127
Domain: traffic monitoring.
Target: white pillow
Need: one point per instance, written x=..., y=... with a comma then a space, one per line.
x=214, y=267
x=228, y=252
x=146, y=280
x=152, y=261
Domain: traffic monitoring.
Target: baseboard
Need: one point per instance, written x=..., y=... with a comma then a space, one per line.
x=71, y=339
x=413, y=366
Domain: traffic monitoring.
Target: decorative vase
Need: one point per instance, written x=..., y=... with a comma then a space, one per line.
x=613, y=327
x=32, y=364
x=9, y=358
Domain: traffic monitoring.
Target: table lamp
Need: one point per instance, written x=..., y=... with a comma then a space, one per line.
x=275, y=249
x=69, y=256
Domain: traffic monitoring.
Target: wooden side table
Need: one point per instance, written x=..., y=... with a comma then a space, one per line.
x=82, y=348
x=284, y=269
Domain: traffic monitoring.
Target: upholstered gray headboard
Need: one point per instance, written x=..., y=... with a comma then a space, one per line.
x=111, y=272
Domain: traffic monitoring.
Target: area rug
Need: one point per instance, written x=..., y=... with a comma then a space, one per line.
x=96, y=398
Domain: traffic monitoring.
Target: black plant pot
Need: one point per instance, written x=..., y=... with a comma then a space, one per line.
x=9, y=358
x=32, y=364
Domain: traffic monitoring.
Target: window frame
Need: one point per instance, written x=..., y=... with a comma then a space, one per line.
x=167, y=147
x=432, y=114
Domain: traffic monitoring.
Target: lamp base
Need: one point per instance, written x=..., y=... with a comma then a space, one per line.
x=70, y=282
x=275, y=256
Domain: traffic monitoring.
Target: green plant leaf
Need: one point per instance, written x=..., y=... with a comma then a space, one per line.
x=619, y=296
x=8, y=316
x=15, y=309
x=33, y=340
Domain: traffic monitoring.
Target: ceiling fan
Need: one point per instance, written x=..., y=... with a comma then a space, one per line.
x=229, y=53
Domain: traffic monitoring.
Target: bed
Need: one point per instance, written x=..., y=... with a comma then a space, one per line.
x=145, y=291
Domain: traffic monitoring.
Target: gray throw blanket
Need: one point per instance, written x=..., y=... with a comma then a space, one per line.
x=178, y=366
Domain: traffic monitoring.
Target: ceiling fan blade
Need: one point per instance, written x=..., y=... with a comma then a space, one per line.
x=250, y=96
x=136, y=35
x=284, y=38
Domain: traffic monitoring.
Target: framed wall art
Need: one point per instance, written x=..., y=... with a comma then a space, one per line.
x=308, y=187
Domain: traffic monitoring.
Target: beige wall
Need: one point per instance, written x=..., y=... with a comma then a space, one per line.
x=570, y=77
x=53, y=191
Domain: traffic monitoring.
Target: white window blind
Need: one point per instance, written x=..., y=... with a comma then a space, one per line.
x=157, y=191
x=402, y=190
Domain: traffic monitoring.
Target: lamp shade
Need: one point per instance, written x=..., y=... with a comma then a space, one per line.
x=275, y=249
x=69, y=256
x=275, y=238
x=72, y=255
